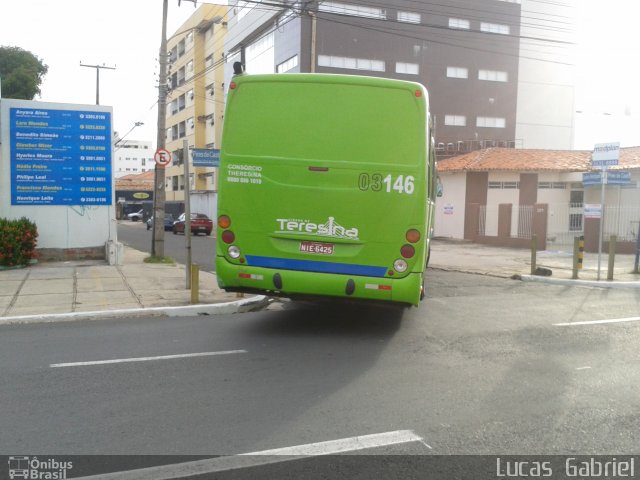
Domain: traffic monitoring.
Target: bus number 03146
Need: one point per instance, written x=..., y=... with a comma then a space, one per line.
x=376, y=182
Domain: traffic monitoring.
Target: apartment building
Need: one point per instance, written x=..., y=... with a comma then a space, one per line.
x=132, y=157
x=195, y=102
x=468, y=53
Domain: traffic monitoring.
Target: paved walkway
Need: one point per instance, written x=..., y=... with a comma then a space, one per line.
x=67, y=290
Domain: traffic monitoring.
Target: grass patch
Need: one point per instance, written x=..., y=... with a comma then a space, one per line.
x=164, y=260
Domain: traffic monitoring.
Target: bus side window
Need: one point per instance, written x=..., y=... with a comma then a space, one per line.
x=438, y=186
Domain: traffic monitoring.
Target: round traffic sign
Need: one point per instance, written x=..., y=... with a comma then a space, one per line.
x=162, y=157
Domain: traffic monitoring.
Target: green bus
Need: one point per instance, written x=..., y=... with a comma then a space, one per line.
x=326, y=188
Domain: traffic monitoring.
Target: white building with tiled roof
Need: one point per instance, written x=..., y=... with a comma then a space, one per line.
x=475, y=185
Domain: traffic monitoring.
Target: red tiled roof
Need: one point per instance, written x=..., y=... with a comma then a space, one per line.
x=140, y=177
x=525, y=160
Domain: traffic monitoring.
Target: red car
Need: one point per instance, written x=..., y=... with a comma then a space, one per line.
x=200, y=223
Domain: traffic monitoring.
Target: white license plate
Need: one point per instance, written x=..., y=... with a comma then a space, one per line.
x=316, y=247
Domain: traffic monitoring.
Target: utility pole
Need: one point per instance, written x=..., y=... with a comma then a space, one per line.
x=159, y=193
x=97, y=67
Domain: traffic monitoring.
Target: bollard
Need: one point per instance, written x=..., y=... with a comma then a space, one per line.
x=576, y=257
x=612, y=255
x=195, y=283
x=534, y=247
x=580, y=252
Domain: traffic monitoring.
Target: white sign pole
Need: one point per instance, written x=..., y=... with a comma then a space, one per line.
x=604, y=155
x=604, y=181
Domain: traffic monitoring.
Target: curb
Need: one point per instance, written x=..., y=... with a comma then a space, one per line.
x=579, y=283
x=227, y=308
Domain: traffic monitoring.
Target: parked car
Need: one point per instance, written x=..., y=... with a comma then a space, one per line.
x=168, y=222
x=200, y=223
x=136, y=216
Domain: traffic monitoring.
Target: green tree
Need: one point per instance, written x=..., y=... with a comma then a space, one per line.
x=21, y=73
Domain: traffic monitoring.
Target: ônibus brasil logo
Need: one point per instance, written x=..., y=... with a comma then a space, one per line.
x=329, y=229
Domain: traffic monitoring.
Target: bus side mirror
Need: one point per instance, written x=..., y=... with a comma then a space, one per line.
x=438, y=187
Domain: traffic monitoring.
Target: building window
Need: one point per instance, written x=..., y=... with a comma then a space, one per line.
x=455, y=120
x=492, y=75
x=190, y=123
x=189, y=98
x=457, y=72
x=355, y=10
x=490, y=122
x=208, y=62
x=287, y=65
x=189, y=38
x=351, y=63
x=409, y=17
x=494, y=28
x=174, y=107
x=459, y=23
x=409, y=68
x=182, y=130
x=180, y=48
x=181, y=76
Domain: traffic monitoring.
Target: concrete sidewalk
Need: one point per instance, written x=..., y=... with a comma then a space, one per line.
x=462, y=256
x=80, y=289
x=87, y=289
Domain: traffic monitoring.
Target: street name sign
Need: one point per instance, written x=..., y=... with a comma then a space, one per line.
x=205, y=157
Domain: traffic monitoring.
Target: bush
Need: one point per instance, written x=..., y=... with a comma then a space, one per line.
x=18, y=240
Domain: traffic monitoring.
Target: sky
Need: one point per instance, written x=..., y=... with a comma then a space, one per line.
x=126, y=34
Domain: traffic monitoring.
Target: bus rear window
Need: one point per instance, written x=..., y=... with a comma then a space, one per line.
x=332, y=121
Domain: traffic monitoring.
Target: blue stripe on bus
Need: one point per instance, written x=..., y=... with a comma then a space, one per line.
x=315, y=266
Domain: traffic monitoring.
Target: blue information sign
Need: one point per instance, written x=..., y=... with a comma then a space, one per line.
x=613, y=178
x=60, y=157
x=203, y=157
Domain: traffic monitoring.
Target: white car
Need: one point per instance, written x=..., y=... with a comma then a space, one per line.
x=135, y=216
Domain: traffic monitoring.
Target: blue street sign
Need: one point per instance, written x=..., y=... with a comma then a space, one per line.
x=60, y=157
x=203, y=157
x=618, y=178
x=613, y=178
x=591, y=178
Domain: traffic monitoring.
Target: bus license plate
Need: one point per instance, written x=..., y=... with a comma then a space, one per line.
x=315, y=247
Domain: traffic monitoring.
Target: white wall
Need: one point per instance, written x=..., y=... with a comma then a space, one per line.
x=62, y=227
x=449, y=221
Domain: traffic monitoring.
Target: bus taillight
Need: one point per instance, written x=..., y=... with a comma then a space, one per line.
x=407, y=251
x=228, y=236
x=412, y=236
x=224, y=221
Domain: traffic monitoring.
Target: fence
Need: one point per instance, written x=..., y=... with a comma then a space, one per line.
x=521, y=221
x=564, y=223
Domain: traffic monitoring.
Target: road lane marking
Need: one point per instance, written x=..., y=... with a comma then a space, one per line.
x=264, y=457
x=583, y=368
x=345, y=445
x=145, y=359
x=597, y=322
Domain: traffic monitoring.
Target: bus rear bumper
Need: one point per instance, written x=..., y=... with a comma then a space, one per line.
x=292, y=284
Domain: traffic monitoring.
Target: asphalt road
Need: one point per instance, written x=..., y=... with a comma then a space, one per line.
x=203, y=248
x=480, y=368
